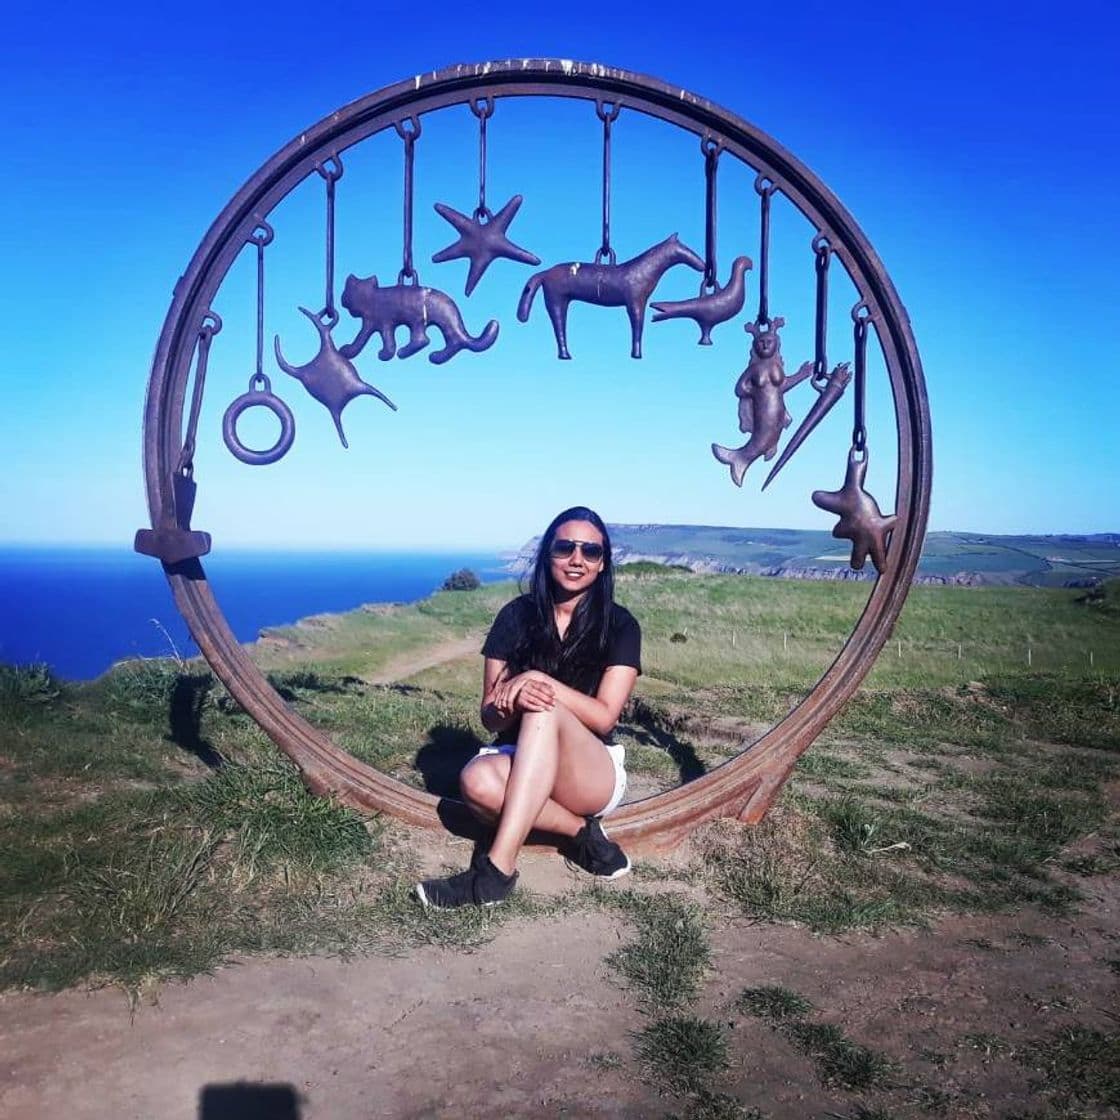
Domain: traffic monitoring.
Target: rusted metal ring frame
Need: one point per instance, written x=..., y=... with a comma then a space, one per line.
x=743, y=787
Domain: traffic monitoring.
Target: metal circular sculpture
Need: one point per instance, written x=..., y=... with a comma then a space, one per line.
x=745, y=786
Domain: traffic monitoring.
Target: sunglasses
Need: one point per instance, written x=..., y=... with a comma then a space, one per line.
x=563, y=548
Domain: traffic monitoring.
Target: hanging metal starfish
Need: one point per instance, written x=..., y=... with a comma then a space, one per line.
x=861, y=520
x=482, y=239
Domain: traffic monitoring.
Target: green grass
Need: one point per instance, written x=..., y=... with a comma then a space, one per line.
x=22, y=686
x=840, y=1061
x=773, y=1003
x=682, y=1053
x=1078, y=1064
x=147, y=827
x=667, y=961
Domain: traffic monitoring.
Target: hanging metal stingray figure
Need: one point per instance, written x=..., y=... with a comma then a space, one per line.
x=329, y=377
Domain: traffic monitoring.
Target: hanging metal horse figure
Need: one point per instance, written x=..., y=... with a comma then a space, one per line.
x=628, y=285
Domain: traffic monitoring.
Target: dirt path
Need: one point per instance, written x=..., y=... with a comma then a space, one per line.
x=535, y=1025
x=400, y=668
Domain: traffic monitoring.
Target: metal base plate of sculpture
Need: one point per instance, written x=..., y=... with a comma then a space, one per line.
x=482, y=239
x=416, y=307
x=709, y=309
x=861, y=520
x=329, y=377
x=628, y=285
x=175, y=541
x=761, y=390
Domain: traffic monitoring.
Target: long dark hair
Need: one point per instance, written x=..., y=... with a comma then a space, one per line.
x=579, y=658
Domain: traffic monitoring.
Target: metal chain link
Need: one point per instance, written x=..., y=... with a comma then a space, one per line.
x=822, y=248
x=607, y=112
x=861, y=316
x=765, y=187
x=331, y=174
x=261, y=236
x=483, y=109
x=211, y=325
x=711, y=150
x=409, y=135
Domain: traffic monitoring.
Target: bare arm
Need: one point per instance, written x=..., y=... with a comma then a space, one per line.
x=505, y=697
x=598, y=713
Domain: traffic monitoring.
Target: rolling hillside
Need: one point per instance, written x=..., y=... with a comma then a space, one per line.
x=953, y=558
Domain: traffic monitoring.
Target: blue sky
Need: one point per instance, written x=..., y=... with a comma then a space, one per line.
x=976, y=144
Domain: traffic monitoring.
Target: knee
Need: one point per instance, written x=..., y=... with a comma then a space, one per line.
x=483, y=784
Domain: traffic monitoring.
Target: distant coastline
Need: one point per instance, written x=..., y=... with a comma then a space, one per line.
x=948, y=558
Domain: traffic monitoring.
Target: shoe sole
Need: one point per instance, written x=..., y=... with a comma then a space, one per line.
x=428, y=904
x=613, y=875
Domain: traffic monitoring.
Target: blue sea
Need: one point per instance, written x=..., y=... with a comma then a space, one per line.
x=81, y=609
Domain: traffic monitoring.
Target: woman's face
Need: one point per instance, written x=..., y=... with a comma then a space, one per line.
x=576, y=572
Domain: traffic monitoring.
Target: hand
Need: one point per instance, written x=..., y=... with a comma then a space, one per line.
x=531, y=691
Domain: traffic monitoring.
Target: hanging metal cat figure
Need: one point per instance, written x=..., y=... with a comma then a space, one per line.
x=628, y=285
x=761, y=390
x=382, y=310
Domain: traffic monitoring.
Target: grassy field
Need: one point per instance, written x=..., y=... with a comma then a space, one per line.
x=148, y=829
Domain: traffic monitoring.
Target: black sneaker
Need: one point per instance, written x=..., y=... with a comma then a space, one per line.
x=482, y=884
x=591, y=851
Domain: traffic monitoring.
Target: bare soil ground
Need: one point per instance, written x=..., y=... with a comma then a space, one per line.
x=534, y=1023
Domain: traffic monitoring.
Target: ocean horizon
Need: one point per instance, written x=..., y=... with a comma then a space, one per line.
x=80, y=609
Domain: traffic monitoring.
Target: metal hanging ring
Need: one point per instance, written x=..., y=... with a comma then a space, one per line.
x=605, y=255
x=482, y=107
x=330, y=174
x=410, y=134
x=763, y=184
x=262, y=234
x=861, y=313
x=710, y=147
x=607, y=111
x=211, y=324
x=266, y=399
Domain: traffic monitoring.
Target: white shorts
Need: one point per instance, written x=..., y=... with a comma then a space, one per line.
x=618, y=757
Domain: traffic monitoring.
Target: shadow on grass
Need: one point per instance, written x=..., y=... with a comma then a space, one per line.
x=648, y=728
x=184, y=717
x=443, y=756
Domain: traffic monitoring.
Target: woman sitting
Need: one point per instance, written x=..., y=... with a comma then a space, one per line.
x=561, y=661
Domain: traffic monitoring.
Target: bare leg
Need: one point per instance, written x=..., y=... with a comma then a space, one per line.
x=483, y=785
x=556, y=756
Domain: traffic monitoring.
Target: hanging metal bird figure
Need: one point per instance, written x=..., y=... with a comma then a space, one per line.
x=712, y=308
